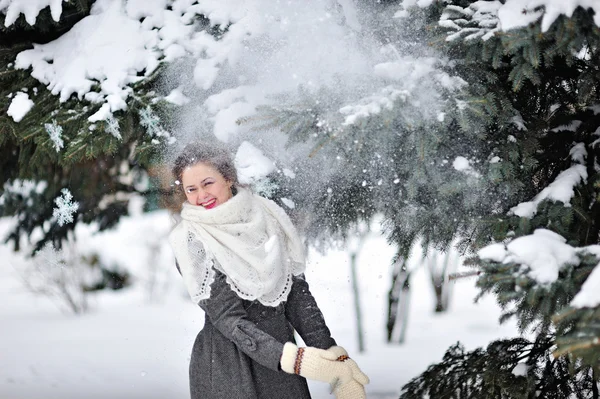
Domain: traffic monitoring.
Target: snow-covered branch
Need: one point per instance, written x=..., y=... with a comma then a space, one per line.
x=542, y=255
x=561, y=189
x=483, y=18
x=12, y=9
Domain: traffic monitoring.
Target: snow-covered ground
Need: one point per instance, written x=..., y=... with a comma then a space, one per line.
x=127, y=346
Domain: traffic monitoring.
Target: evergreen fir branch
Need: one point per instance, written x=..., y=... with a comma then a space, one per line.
x=485, y=373
x=581, y=346
x=556, y=75
x=534, y=304
x=457, y=276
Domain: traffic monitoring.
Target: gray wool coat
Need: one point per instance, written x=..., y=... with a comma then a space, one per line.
x=236, y=355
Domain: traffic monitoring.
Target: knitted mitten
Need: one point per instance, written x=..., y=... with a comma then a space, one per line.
x=315, y=364
x=349, y=390
x=342, y=356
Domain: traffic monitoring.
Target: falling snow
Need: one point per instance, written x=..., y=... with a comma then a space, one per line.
x=112, y=127
x=151, y=122
x=65, y=208
x=54, y=130
x=19, y=106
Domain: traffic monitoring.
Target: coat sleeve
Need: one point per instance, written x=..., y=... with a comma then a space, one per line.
x=306, y=317
x=227, y=313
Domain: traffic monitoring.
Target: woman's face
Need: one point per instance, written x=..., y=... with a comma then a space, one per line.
x=203, y=185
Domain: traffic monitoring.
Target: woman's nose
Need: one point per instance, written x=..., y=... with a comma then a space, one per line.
x=200, y=196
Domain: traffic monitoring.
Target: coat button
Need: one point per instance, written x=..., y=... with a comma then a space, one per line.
x=250, y=344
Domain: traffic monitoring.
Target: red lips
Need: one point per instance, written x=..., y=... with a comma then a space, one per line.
x=210, y=204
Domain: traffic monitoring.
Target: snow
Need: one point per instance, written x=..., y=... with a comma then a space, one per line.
x=251, y=163
x=23, y=188
x=461, y=163
x=289, y=173
x=177, y=97
x=65, y=207
x=420, y=3
x=55, y=132
x=482, y=19
x=122, y=42
x=151, y=123
x=351, y=14
x=19, y=106
x=247, y=23
x=225, y=98
x=373, y=105
x=278, y=54
x=288, y=202
x=571, y=127
x=589, y=295
x=512, y=16
x=134, y=345
x=494, y=252
x=227, y=107
x=401, y=14
x=411, y=71
x=12, y=9
x=561, y=189
x=110, y=49
x=485, y=13
x=519, y=122
x=461, y=105
x=225, y=121
x=142, y=248
x=106, y=48
x=543, y=254
x=112, y=126
x=578, y=153
x=520, y=369
x=414, y=79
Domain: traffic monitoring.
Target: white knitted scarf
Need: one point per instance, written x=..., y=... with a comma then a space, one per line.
x=248, y=238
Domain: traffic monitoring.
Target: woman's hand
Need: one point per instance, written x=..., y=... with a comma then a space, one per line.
x=342, y=356
x=353, y=389
x=349, y=390
x=315, y=364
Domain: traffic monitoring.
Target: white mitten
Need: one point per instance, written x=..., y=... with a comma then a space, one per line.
x=342, y=356
x=315, y=364
x=349, y=390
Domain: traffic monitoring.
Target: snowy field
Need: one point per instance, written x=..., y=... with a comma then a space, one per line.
x=133, y=345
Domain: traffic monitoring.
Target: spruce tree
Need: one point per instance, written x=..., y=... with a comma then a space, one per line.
x=513, y=150
x=540, y=104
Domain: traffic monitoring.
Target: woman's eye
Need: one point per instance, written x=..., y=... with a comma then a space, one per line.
x=208, y=183
x=189, y=190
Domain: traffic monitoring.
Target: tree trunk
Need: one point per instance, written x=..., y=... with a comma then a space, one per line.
x=398, y=301
x=439, y=278
x=357, y=309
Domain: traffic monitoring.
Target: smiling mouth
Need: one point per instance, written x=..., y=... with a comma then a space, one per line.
x=210, y=204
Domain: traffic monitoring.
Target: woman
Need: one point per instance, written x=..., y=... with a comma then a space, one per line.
x=243, y=262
